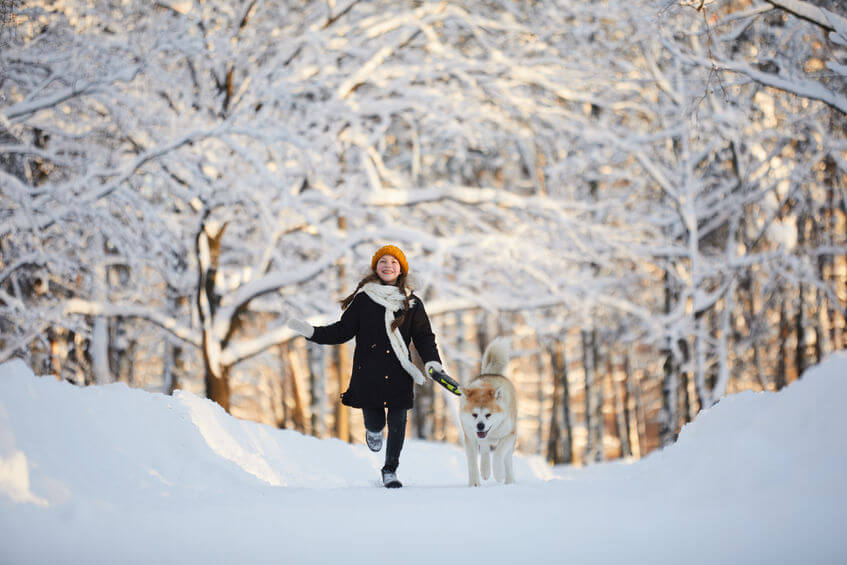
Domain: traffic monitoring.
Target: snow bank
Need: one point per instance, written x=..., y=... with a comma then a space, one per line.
x=112, y=474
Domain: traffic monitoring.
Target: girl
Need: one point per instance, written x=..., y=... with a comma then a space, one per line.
x=384, y=316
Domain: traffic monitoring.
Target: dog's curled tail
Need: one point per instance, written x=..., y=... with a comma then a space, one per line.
x=496, y=357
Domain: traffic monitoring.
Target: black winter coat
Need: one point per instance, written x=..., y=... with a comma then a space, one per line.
x=378, y=378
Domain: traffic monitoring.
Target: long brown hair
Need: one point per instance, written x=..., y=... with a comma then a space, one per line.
x=401, y=283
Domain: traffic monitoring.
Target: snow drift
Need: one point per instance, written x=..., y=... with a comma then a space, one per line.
x=112, y=474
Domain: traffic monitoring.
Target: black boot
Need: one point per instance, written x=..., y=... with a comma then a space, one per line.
x=374, y=440
x=389, y=478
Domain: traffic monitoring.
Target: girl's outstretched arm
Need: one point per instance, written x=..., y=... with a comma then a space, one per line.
x=343, y=330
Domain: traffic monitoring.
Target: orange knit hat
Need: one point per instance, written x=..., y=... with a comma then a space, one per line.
x=394, y=252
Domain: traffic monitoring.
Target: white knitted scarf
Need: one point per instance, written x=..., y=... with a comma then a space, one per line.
x=390, y=297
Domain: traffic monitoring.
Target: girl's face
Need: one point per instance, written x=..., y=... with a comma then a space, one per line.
x=388, y=269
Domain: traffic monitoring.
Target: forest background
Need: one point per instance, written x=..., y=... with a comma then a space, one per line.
x=648, y=197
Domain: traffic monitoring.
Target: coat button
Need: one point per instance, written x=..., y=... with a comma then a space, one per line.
x=373, y=346
x=388, y=352
x=386, y=377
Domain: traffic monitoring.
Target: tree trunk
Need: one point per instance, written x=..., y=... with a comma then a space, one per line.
x=540, y=372
x=168, y=368
x=687, y=412
x=561, y=375
x=631, y=408
x=703, y=393
x=559, y=445
x=100, y=351
x=599, y=399
x=593, y=399
x=174, y=366
x=317, y=385
x=424, y=414
x=757, y=365
x=278, y=390
x=462, y=372
x=172, y=353
x=554, y=439
x=724, y=373
x=688, y=380
x=81, y=356
x=760, y=364
x=588, y=371
x=217, y=387
x=125, y=364
x=208, y=250
x=58, y=350
x=669, y=419
x=800, y=319
x=342, y=412
x=800, y=331
x=781, y=378
x=296, y=370
x=823, y=323
x=343, y=361
x=640, y=415
x=216, y=376
x=621, y=412
x=668, y=416
x=834, y=266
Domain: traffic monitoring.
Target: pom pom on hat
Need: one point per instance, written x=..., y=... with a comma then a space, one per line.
x=394, y=252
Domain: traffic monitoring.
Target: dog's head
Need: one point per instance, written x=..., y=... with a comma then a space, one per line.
x=482, y=409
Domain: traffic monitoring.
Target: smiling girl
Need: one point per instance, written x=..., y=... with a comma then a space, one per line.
x=384, y=317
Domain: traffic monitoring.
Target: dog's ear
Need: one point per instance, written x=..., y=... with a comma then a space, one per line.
x=499, y=394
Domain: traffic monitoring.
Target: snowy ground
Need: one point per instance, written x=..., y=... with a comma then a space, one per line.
x=115, y=475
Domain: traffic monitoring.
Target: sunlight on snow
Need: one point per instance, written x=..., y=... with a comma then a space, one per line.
x=207, y=417
x=14, y=480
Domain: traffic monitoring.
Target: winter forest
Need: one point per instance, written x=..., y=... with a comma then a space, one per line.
x=648, y=197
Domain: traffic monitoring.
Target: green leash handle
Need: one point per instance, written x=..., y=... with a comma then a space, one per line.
x=441, y=378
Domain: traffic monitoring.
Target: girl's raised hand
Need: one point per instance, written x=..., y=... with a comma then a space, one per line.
x=303, y=328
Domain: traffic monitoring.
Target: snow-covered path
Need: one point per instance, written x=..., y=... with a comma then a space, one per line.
x=115, y=475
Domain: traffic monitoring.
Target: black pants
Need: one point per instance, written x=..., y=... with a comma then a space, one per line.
x=375, y=420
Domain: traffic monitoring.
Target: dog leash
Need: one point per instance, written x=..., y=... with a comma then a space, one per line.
x=441, y=378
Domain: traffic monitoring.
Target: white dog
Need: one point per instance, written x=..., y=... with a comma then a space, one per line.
x=489, y=416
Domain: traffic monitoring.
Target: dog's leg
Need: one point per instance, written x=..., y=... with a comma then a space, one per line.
x=471, y=450
x=499, y=473
x=503, y=460
x=485, y=461
x=507, y=459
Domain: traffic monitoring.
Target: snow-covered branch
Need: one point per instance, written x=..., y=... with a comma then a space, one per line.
x=828, y=20
x=164, y=321
x=80, y=88
x=805, y=88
